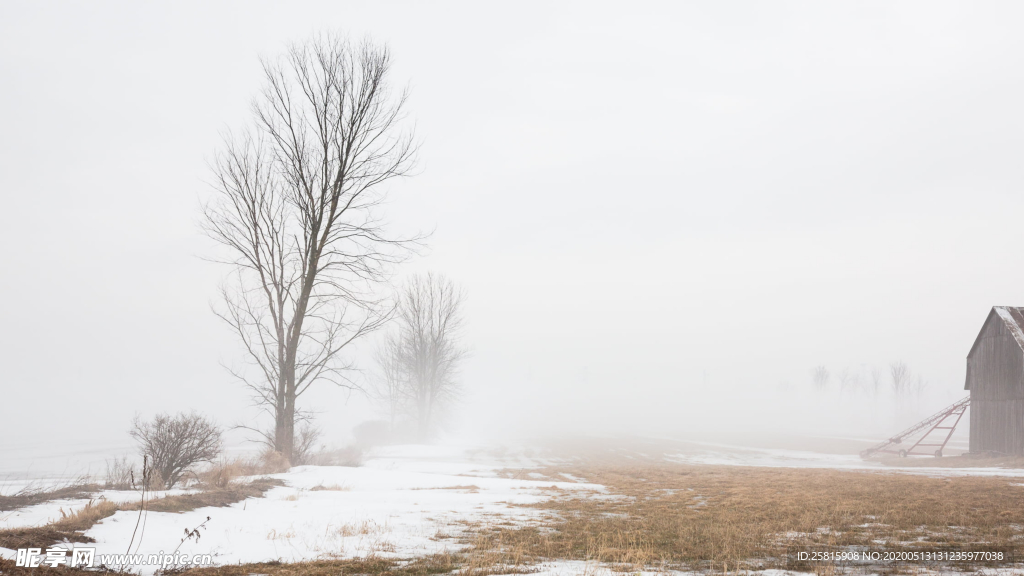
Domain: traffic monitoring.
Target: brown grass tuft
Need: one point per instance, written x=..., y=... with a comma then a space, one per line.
x=67, y=528
x=271, y=462
x=214, y=497
x=224, y=472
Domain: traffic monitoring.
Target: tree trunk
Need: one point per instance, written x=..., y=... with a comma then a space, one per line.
x=282, y=440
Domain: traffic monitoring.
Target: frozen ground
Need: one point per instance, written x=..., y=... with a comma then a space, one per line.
x=406, y=501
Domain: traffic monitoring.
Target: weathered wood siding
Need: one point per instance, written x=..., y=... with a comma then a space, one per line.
x=995, y=375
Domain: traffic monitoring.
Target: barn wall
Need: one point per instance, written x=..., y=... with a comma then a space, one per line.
x=996, y=369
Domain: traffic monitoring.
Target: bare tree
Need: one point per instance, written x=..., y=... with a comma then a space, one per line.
x=849, y=380
x=305, y=443
x=392, y=387
x=820, y=377
x=421, y=360
x=296, y=208
x=176, y=443
x=876, y=380
x=900, y=377
x=919, y=387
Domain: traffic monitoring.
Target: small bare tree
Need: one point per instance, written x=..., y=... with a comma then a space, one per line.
x=900, y=378
x=420, y=361
x=296, y=209
x=306, y=443
x=120, y=474
x=820, y=377
x=176, y=443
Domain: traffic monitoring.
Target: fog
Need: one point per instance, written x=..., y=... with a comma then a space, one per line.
x=664, y=216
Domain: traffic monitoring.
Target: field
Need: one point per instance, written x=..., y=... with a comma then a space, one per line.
x=635, y=506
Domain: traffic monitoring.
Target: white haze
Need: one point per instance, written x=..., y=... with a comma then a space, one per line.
x=665, y=215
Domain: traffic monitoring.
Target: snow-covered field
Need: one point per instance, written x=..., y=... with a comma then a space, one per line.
x=405, y=501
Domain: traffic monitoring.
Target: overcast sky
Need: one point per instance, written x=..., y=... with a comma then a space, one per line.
x=652, y=207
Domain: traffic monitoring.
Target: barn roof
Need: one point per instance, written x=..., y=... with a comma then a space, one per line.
x=1012, y=317
x=1014, y=320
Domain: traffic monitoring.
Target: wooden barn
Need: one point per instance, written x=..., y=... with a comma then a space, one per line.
x=995, y=377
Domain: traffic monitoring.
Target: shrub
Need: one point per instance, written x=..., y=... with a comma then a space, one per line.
x=174, y=444
x=225, y=472
x=272, y=462
x=305, y=440
x=120, y=474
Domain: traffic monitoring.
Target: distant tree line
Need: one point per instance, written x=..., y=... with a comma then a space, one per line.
x=901, y=383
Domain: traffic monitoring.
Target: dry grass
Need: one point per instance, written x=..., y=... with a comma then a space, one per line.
x=72, y=527
x=672, y=515
x=364, y=528
x=427, y=566
x=211, y=497
x=442, y=563
x=224, y=472
x=79, y=488
x=90, y=514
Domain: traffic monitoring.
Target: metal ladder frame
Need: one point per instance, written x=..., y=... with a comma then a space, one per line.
x=935, y=421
